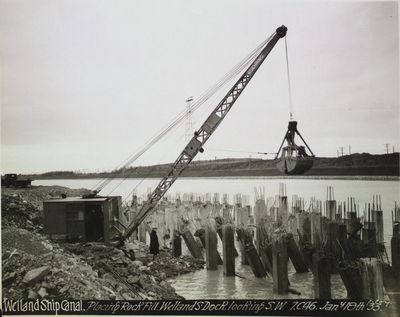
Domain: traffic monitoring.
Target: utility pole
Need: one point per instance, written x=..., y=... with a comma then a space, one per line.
x=393, y=148
x=387, y=147
x=349, y=149
x=341, y=150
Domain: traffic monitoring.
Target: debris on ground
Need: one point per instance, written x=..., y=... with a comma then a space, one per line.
x=19, y=213
x=35, y=267
x=36, y=194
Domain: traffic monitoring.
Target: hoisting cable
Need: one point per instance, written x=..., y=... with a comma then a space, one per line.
x=125, y=177
x=288, y=78
x=229, y=76
x=120, y=206
x=131, y=170
x=200, y=101
x=237, y=151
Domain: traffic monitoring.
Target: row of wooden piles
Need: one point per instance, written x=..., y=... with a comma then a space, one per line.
x=329, y=237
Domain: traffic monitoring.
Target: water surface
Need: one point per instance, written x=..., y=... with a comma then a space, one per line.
x=206, y=284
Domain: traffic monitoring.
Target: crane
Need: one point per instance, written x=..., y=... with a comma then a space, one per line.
x=201, y=136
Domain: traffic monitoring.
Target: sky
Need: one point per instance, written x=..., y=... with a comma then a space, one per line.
x=85, y=84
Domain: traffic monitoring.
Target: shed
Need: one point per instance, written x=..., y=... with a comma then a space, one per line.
x=84, y=219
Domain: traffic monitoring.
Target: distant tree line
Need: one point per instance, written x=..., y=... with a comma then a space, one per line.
x=58, y=173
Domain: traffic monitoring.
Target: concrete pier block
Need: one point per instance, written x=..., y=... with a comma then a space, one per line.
x=142, y=233
x=295, y=255
x=192, y=245
x=322, y=277
x=280, y=264
x=211, y=248
x=228, y=240
x=255, y=262
x=372, y=279
x=395, y=248
x=315, y=220
x=177, y=245
x=351, y=277
x=379, y=227
x=331, y=209
x=220, y=234
x=265, y=259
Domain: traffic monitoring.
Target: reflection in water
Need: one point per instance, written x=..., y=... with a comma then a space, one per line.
x=205, y=284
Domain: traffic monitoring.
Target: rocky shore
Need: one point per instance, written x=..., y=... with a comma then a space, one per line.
x=35, y=267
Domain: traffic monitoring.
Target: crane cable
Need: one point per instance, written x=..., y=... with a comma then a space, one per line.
x=288, y=78
x=229, y=76
x=162, y=133
x=200, y=101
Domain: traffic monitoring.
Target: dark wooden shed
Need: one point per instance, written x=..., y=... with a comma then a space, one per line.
x=84, y=219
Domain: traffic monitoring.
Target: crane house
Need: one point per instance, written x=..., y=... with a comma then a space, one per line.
x=84, y=219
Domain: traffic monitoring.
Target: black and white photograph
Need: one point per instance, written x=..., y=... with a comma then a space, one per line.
x=200, y=157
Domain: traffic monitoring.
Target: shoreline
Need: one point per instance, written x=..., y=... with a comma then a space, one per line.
x=354, y=166
x=311, y=177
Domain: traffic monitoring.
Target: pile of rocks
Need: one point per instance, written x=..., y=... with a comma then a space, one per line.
x=171, y=266
x=34, y=267
x=22, y=207
x=37, y=194
x=143, y=276
x=19, y=213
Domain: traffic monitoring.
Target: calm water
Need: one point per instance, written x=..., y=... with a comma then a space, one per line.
x=213, y=284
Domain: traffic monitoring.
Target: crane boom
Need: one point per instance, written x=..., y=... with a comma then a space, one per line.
x=201, y=136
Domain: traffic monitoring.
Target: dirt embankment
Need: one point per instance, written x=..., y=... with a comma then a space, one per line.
x=36, y=267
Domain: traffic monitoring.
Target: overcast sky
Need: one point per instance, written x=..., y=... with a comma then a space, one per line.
x=84, y=84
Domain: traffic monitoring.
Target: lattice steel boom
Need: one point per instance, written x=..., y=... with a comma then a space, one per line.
x=201, y=136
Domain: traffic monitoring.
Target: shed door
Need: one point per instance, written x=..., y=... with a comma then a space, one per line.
x=54, y=218
x=75, y=221
x=94, y=222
